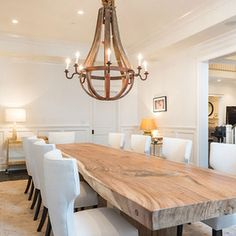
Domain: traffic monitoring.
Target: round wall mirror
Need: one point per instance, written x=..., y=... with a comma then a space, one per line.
x=210, y=108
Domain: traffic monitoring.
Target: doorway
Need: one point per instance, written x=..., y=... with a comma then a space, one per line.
x=104, y=120
x=221, y=97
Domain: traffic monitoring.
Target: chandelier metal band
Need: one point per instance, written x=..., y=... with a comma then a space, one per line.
x=108, y=3
x=107, y=26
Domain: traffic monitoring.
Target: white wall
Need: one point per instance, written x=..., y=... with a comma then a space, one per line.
x=51, y=101
x=49, y=97
x=226, y=92
x=173, y=79
x=44, y=92
x=176, y=79
x=183, y=78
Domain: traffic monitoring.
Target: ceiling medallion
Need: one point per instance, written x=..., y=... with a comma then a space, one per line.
x=97, y=80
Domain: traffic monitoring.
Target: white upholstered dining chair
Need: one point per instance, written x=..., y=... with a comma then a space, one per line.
x=176, y=149
x=62, y=187
x=27, y=162
x=222, y=158
x=141, y=143
x=37, y=195
x=116, y=140
x=39, y=149
x=87, y=198
x=61, y=137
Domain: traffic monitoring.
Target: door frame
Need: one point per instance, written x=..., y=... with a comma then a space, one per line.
x=218, y=47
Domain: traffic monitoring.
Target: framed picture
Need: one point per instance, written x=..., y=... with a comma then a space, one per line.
x=160, y=104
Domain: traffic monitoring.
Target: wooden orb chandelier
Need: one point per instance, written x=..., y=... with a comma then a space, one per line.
x=97, y=80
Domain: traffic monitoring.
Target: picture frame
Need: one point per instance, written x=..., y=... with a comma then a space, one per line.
x=160, y=104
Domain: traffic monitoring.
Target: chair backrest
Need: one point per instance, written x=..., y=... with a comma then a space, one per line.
x=141, y=143
x=116, y=140
x=62, y=187
x=61, y=137
x=176, y=149
x=26, y=153
x=223, y=157
x=40, y=149
x=33, y=165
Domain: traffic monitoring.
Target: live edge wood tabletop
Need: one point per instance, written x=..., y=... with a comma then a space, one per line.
x=155, y=192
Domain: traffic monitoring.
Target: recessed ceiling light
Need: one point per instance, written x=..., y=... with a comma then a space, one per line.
x=219, y=80
x=80, y=12
x=14, y=21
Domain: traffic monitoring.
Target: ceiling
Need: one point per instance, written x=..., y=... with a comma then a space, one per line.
x=52, y=20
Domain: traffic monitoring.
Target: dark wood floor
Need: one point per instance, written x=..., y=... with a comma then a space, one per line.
x=13, y=175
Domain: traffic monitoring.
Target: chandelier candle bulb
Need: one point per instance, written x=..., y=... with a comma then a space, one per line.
x=68, y=61
x=140, y=57
x=77, y=55
x=81, y=67
x=109, y=54
x=145, y=66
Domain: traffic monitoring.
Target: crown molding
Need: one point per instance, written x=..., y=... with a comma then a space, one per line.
x=217, y=47
x=25, y=49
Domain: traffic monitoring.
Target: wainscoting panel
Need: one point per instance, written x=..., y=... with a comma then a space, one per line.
x=82, y=135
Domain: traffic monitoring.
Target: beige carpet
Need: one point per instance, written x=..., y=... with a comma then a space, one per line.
x=17, y=219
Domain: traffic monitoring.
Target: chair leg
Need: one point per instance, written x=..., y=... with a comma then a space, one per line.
x=36, y=193
x=28, y=184
x=38, y=206
x=43, y=218
x=31, y=191
x=49, y=227
x=217, y=232
x=180, y=230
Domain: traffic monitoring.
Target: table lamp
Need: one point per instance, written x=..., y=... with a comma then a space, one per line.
x=15, y=115
x=147, y=125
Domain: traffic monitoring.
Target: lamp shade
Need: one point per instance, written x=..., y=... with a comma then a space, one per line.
x=148, y=124
x=15, y=115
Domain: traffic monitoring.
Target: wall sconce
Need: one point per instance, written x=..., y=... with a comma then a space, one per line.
x=15, y=115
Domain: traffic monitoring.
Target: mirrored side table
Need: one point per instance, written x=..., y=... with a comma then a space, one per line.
x=10, y=162
x=156, y=146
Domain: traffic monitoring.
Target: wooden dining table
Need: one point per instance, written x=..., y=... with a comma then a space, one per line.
x=155, y=194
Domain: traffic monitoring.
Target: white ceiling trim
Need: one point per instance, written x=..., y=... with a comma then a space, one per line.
x=201, y=19
x=39, y=51
x=217, y=47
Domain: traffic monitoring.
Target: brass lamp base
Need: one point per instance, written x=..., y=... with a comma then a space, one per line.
x=148, y=133
x=14, y=133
